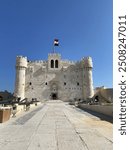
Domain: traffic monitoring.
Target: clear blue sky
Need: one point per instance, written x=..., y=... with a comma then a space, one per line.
x=83, y=27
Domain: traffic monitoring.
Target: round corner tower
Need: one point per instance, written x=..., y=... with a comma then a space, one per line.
x=88, y=90
x=21, y=65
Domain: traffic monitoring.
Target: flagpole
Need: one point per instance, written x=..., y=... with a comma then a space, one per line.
x=53, y=48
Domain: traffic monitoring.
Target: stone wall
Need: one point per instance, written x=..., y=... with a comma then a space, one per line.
x=39, y=83
x=104, y=94
x=103, y=109
x=67, y=80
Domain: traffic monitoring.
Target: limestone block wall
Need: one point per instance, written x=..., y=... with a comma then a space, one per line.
x=108, y=94
x=70, y=80
x=104, y=109
x=39, y=82
x=104, y=94
x=71, y=84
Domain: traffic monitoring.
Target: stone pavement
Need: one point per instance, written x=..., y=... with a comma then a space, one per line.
x=56, y=126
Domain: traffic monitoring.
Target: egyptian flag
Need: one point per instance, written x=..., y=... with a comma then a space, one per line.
x=56, y=42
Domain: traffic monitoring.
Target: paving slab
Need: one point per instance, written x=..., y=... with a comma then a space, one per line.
x=56, y=126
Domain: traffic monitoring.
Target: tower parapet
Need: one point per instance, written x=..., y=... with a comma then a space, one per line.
x=54, y=55
x=21, y=61
x=21, y=65
x=87, y=62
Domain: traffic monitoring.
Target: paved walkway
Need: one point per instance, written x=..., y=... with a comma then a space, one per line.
x=56, y=126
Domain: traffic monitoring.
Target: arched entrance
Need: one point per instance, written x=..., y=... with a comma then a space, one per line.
x=54, y=96
x=54, y=91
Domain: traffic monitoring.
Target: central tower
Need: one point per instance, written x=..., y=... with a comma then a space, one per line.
x=54, y=61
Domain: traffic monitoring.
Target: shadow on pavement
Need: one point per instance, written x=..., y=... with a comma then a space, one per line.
x=99, y=115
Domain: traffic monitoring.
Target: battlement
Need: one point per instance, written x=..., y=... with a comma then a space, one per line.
x=54, y=55
x=68, y=62
x=39, y=61
x=20, y=57
x=87, y=62
x=21, y=61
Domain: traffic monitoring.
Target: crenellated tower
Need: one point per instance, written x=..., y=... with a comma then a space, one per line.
x=21, y=65
x=87, y=66
x=54, y=78
x=54, y=61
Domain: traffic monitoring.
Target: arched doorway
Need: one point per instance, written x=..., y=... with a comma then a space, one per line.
x=54, y=91
x=54, y=96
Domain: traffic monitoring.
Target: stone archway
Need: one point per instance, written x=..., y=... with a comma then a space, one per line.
x=54, y=91
x=54, y=96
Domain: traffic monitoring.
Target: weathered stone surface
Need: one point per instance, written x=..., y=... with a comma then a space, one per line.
x=57, y=126
x=40, y=79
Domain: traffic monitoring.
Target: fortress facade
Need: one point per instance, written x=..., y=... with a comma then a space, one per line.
x=54, y=78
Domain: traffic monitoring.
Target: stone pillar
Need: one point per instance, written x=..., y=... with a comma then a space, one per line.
x=88, y=90
x=21, y=65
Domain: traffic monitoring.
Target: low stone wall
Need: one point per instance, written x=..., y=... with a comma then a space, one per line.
x=21, y=108
x=103, y=109
x=34, y=105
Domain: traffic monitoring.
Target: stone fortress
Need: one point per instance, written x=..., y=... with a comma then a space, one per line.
x=54, y=78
